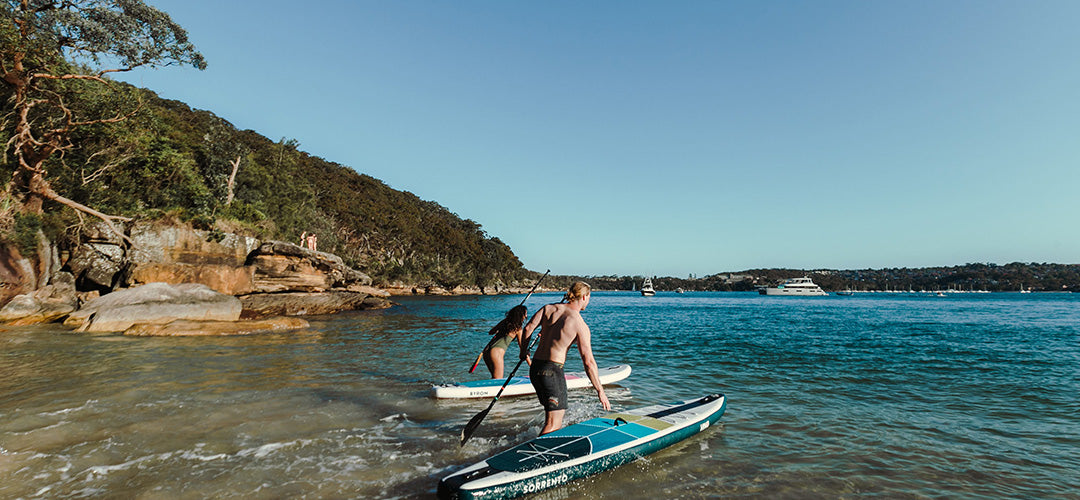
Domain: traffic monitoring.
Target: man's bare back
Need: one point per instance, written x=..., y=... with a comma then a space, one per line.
x=560, y=326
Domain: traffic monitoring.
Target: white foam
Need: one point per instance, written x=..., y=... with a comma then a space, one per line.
x=71, y=410
x=191, y=455
x=266, y=449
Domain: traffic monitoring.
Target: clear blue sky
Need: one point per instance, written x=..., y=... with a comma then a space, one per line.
x=669, y=138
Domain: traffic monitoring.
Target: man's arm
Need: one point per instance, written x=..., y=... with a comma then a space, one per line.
x=584, y=341
x=526, y=332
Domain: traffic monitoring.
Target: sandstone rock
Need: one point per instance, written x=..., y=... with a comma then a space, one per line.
x=282, y=266
x=280, y=273
x=188, y=328
x=230, y=280
x=181, y=254
x=370, y=290
x=154, y=303
x=299, y=304
x=50, y=303
x=97, y=265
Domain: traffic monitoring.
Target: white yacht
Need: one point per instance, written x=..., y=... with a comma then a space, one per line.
x=802, y=287
x=647, y=289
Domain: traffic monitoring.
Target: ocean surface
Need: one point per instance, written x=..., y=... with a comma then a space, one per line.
x=873, y=395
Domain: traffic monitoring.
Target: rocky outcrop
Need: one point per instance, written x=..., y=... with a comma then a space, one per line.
x=285, y=267
x=154, y=303
x=50, y=303
x=189, y=328
x=180, y=254
x=300, y=304
x=208, y=270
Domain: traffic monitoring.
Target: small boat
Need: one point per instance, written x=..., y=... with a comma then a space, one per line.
x=647, y=288
x=846, y=292
x=583, y=449
x=680, y=290
x=800, y=287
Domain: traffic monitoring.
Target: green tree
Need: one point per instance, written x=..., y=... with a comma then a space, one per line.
x=50, y=49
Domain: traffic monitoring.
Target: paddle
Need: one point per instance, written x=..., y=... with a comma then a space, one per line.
x=474, y=422
x=495, y=338
x=470, y=427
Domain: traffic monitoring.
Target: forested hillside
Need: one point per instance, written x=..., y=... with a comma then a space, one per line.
x=170, y=160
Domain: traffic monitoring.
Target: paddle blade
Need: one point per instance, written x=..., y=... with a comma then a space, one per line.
x=470, y=427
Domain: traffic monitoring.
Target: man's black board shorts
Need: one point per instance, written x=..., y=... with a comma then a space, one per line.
x=550, y=383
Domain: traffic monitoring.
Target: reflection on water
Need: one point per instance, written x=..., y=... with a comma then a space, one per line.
x=832, y=397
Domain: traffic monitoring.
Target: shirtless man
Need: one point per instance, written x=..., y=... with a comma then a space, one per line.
x=561, y=326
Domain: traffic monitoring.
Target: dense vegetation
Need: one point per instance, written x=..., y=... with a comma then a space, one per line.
x=171, y=159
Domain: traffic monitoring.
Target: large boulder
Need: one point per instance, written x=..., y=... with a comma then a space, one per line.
x=180, y=254
x=285, y=267
x=189, y=328
x=298, y=304
x=154, y=303
x=50, y=303
x=97, y=265
x=98, y=262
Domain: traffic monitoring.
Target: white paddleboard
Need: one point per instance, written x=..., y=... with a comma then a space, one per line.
x=518, y=386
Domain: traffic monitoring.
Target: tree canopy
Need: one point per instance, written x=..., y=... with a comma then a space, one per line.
x=50, y=50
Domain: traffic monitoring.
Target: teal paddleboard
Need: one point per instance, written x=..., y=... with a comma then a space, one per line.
x=583, y=449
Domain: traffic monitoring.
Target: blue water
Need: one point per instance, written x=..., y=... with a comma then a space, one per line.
x=874, y=395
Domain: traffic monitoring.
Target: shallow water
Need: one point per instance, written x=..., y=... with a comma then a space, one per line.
x=966, y=396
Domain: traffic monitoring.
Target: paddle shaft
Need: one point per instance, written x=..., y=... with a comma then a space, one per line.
x=494, y=339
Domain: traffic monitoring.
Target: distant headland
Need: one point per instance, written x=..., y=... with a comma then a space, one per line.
x=1013, y=277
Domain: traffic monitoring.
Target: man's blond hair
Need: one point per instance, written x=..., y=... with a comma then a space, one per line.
x=576, y=291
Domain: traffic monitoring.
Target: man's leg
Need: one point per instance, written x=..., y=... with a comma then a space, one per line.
x=553, y=421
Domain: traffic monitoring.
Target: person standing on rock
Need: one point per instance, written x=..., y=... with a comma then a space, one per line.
x=308, y=240
x=561, y=326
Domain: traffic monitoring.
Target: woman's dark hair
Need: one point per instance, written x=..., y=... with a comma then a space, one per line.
x=514, y=320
